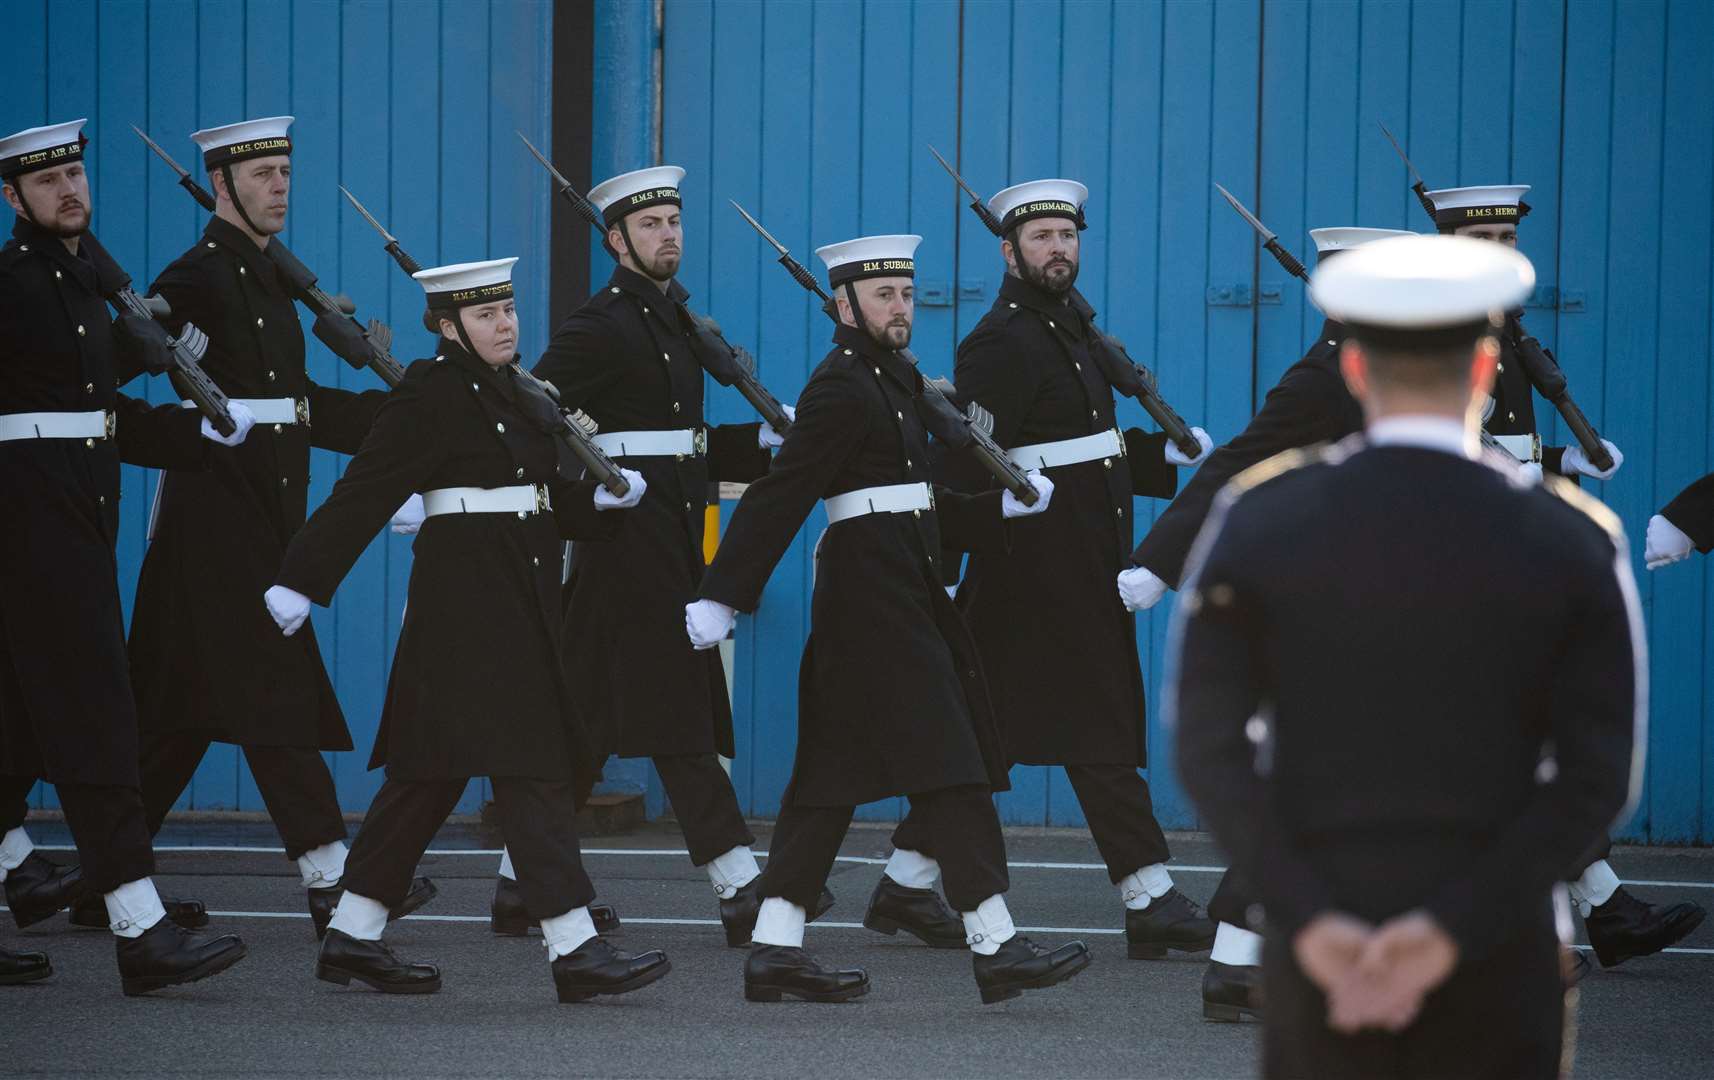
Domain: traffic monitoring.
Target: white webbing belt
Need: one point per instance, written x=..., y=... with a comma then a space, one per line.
x=54, y=425
x=268, y=410
x=520, y=499
x=1526, y=448
x=887, y=499
x=1047, y=455
x=682, y=443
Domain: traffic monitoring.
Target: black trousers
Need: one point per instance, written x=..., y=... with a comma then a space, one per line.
x=107, y=824
x=1500, y=1018
x=707, y=808
x=296, y=786
x=1236, y=903
x=537, y=817
x=957, y=824
x=1116, y=803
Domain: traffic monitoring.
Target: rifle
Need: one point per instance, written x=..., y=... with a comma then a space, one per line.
x=971, y=428
x=186, y=350
x=574, y=429
x=731, y=365
x=1542, y=370
x=302, y=280
x=1123, y=373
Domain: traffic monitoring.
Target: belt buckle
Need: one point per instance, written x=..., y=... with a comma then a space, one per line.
x=930, y=496
x=1535, y=449
x=108, y=423
x=1119, y=435
x=301, y=405
x=699, y=442
x=543, y=503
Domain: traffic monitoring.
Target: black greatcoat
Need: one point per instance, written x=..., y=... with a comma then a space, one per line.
x=1059, y=648
x=891, y=698
x=1692, y=510
x=1310, y=404
x=66, y=707
x=626, y=359
x=205, y=656
x=476, y=687
x=1333, y=593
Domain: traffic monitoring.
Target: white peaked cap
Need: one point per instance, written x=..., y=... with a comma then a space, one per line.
x=464, y=284
x=1422, y=283
x=245, y=139
x=42, y=147
x=656, y=185
x=870, y=256
x=1039, y=198
x=1344, y=239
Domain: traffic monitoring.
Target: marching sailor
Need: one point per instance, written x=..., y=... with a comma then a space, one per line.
x=67, y=714
x=891, y=695
x=1059, y=649
x=1409, y=867
x=476, y=687
x=629, y=358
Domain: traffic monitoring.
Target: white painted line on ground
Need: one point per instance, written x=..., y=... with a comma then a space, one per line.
x=856, y=859
x=823, y=924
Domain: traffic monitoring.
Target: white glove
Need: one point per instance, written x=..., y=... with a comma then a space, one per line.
x=708, y=622
x=1011, y=506
x=1666, y=544
x=606, y=500
x=241, y=415
x=1139, y=589
x=1175, y=456
x=289, y=608
x=769, y=439
x=1531, y=471
x=408, y=518
x=1575, y=461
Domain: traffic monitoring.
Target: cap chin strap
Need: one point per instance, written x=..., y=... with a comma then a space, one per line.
x=23, y=200
x=232, y=194
x=631, y=248
x=850, y=288
x=463, y=337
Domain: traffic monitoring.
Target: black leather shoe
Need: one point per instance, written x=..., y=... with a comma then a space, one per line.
x=595, y=967
x=775, y=971
x=23, y=967
x=509, y=917
x=90, y=912
x=1625, y=927
x=918, y=912
x=167, y=954
x=1232, y=993
x=1172, y=921
x=323, y=901
x=38, y=889
x=738, y=912
x=343, y=958
x=1576, y=966
x=1022, y=965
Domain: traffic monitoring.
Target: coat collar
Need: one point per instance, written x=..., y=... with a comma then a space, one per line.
x=893, y=363
x=500, y=379
x=1015, y=290
x=81, y=267
x=224, y=234
x=664, y=306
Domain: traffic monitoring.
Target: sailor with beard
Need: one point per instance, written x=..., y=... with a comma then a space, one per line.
x=627, y=359
x=67, y=713
x=207, y=663
x=892, y=699
x=1059, y=648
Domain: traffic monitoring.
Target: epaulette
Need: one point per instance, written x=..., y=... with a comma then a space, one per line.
x=1284, y=462
x=1594, y=509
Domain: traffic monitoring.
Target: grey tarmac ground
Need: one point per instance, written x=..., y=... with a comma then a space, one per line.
x=497, y=1015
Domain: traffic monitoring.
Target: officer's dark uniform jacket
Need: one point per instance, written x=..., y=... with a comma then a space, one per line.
x=66, y=706
x=1345, y=596
x=1310, y=404
x=204, y=654
x=1692, y=510
x=891, y=698
x=1047, y=603
x=1514, y=396
x=476, y=688
x=626, y=359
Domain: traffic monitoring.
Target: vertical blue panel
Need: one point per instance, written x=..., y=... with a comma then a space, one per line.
x=1291, y=69
x=1538, y=61
x=984, y=151
x=1383, y=202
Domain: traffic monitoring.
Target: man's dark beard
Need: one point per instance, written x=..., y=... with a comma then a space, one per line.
x=65, y=232
x=655, y=269
x=879, y=336
x=1038, y=275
